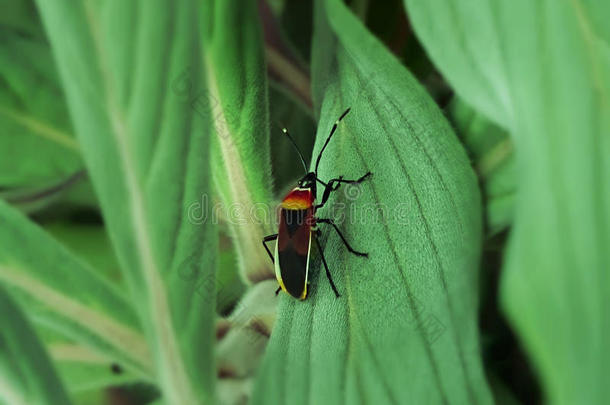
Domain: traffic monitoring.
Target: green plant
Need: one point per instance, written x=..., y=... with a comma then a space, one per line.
x=141, y=160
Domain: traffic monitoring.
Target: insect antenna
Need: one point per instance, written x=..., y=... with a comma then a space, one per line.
x=284, y=130
x=332, y=131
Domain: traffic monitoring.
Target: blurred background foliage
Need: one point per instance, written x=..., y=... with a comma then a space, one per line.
x=43, y=175
x=42, y=171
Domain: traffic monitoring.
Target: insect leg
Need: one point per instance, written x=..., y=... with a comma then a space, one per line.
x=330, y=279
x=341, y=180
x=328, y=188
x=347, y=245
x=269, y=239
x=278, y=290
x=334, y=184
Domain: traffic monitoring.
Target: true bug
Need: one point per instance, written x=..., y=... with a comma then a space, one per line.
x=297, y=227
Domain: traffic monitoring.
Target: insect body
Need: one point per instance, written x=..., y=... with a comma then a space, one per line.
x=297, y=228
x=294, y=241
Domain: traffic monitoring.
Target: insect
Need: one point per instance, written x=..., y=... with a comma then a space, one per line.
x=298, y=227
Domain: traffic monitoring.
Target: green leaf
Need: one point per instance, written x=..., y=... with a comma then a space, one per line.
x=36, y=144
x=26, y=374
x=493, y=157
x=146, y=149
x=555, y=81
x=80, y=369
x=405, y=327
x=468, y=50
x=62, y=292
x=92, y=243
x=237, y=95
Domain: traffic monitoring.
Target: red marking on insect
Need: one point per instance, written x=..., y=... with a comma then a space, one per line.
x=298, y=198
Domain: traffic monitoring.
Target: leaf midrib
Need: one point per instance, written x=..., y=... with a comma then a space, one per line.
x=158, y=307
x=409, y=294
x=393, y=249
x=121, y=337
x=248, y=234
x=73, y=352
x=441, y=271
x=41, y=129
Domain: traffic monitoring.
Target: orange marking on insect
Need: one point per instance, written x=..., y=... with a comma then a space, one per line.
x=298, y=199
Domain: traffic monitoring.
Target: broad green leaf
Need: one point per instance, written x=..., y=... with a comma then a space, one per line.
x=36, y=141
x=26, y=374
x=237, y=94
x=469, y=52
x=492, y=152
x=62, y=292
x=81, y=369
x=146, y=149
x=92, y=244
x=93, y=397
x=405, y=328
x=556, y=80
